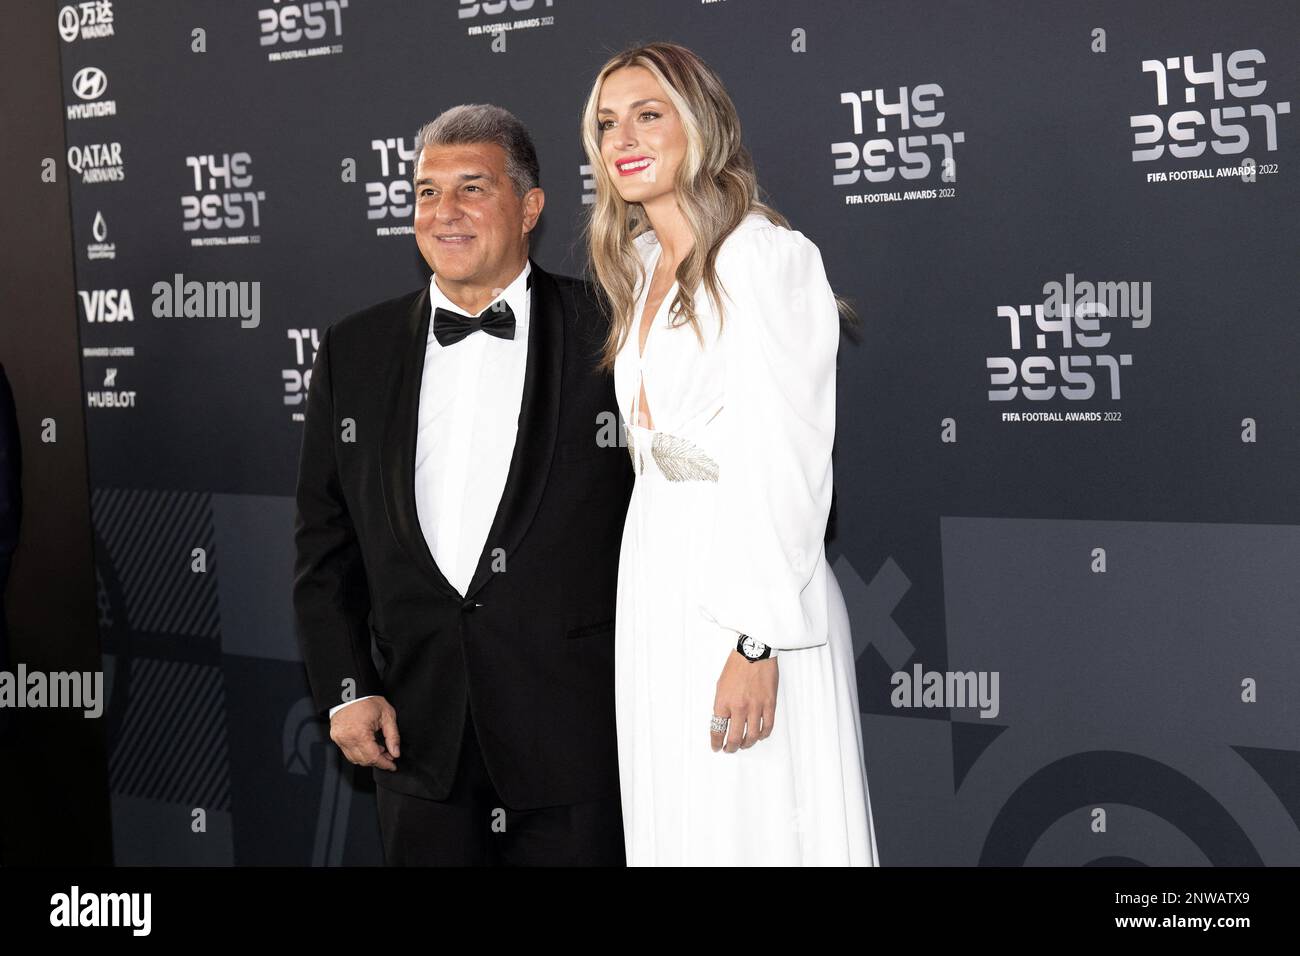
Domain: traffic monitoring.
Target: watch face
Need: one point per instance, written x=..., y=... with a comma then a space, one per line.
x=750, y=648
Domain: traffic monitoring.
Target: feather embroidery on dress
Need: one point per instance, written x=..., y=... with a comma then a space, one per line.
x=682, y=460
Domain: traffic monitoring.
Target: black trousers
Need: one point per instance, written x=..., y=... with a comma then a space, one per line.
x=474, y=827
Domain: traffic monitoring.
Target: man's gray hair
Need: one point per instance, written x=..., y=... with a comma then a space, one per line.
x=485, y=123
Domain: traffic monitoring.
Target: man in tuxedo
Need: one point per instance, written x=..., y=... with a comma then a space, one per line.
x=461, y=498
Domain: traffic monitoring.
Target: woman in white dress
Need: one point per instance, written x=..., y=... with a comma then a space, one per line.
x=739, y=736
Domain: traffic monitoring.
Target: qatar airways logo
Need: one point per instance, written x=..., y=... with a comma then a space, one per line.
x=1071, y=345
x=97, y=162
x=224, y=208
x=298, y=31
x=901, y=138
x=1226, y=109
x=390, y=191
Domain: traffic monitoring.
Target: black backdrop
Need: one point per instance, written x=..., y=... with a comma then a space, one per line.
x=1120, y=556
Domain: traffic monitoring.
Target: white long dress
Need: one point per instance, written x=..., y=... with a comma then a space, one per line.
x=724, y=535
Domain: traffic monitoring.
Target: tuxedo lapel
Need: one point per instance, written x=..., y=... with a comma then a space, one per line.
x=534, y=442
x=400, y=428
x=539, y=417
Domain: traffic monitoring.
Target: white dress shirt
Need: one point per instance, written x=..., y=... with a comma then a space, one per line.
x=470, y=398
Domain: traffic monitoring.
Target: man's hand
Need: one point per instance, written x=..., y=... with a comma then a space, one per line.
x=747, y=694
x=353, y=728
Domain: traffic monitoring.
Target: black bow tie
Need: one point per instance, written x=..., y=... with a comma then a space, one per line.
x=450, y=327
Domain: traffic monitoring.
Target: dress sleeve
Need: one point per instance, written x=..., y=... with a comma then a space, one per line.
x=780, y=337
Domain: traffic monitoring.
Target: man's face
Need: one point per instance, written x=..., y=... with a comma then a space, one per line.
x=469, y=224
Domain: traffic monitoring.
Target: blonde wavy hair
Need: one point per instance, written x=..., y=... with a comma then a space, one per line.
x=715, y=184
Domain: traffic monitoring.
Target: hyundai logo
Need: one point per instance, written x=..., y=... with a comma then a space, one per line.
x=89, y=83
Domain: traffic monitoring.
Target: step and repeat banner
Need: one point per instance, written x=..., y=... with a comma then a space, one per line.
x=1066, y=465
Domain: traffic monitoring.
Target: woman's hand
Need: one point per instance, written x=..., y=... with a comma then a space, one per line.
x=746, y=694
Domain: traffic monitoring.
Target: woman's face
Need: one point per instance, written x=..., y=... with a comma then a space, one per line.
x=642, y=140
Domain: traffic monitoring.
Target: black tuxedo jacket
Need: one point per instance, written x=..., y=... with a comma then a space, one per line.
x=531, y=645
